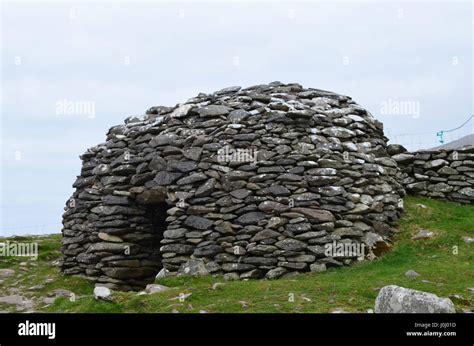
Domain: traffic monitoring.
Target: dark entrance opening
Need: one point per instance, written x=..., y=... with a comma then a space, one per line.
x=156, y=214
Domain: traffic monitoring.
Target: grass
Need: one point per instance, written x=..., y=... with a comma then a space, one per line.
x=444, y=262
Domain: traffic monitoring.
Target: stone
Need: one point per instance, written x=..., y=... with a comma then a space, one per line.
x=237, y=267
x=371, y=239
x=153, y=196
x=122, y=273
x=315, y=214
x=265, y=234
x=417, y=187
x=422, y=235
x=273, y=207
x=162, y=140
x=468, y=240
x=277, y=190
x=213, y=111
x=185, y=166
x=118, y=248
x=394, y=149
x=156, y=288
x=228, y=90
x=181, y=111
x=110, y=238
x=276, y=222
x=115, y=200
x=339, y=132
x=206, y=189
x=347, y=232
x=299, y=228
x=198, y=222
x=225, y=228
x=310, y=235
x=435, y=164
x=102, y=293
x=175, y=233
x=6, y=272
x=240, y=193
x=165, y=178
x=18, y=300
x=251, y=218
x=217, y=286
x=164, y=273
x=331, y=191
x=403, y=158
x=275, y=273
x=238, y=115
x=252, y=274
x=467, y=192
x=207, y=251
x=411, y=274
x=317, y=267
x=101, y=169
x=318, y=250
x=182, y=249
x=193, y=153
x=446, y=170
x=440, y=187
x=260, y=261
x=360, y=209
x=191, y=179
x=291, y=245
x=396, y=299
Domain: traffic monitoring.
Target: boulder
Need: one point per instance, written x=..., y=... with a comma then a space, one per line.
x=396, y=299
x=102, y=293
x=193, y=267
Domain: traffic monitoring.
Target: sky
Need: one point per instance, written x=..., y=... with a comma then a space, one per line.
x=70, y=71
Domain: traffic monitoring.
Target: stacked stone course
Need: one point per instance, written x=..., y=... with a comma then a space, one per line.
x=443, y=174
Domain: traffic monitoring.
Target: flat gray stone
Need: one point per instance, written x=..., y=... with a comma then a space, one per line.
x=6, y=272
x=155, y=288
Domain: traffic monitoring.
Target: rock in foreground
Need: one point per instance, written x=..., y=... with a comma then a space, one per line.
x=396, y=299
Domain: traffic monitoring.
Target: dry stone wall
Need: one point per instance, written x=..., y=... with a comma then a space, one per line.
x=265, y=181
x=444, y=174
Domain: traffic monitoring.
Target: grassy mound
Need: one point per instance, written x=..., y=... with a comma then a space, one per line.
x=445, y=264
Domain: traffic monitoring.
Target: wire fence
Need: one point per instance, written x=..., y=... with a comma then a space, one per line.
x=435, y=138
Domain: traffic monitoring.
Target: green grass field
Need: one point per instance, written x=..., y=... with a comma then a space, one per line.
x=444, y=262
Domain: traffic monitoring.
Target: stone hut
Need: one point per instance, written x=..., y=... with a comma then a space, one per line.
x=261, y=182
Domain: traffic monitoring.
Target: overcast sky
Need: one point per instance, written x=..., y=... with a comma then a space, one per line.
x=410, y=65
